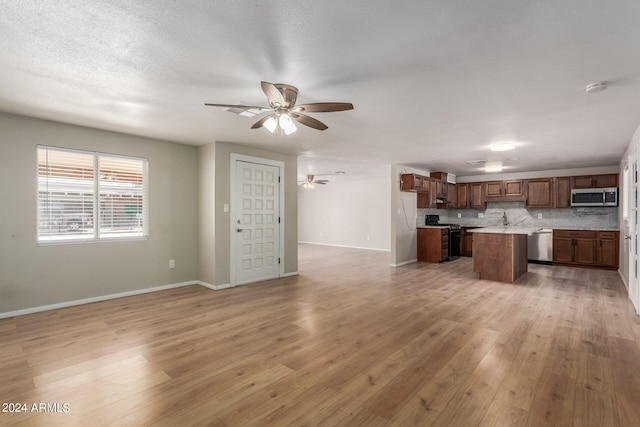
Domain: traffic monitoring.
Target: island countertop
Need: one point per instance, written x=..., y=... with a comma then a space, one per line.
x=505, y=230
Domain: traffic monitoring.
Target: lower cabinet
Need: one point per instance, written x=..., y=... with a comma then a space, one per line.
x=585, y=247
x=433, y=244
x=608, y=248
x=466, y=241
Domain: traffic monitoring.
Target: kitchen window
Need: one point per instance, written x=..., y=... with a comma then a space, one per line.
x=85, y=196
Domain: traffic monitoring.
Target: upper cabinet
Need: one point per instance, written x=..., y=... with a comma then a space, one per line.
x=504, y=191
x=539, y=192
x=463, y=198
x=413, y=182
x=469, y=196
x=595, y=181
x=563, y=192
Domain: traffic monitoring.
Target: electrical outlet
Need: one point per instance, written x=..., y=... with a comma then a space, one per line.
x=480, y=215
x=172, y=263
x=459, y=215
x=539, y=216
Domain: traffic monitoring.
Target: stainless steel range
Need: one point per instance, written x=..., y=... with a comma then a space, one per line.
x=455, y=234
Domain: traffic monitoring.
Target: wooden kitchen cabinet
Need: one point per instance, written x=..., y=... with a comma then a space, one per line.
x=539, y=193
x=608, y=248
x=595, y=181
x=433, y=244
x=466, y=241
x=412, y=182
x=499, y=191
x=576, y=247
x=563, y=192
x=476, y=197
x=463, y=199
x=452, y=196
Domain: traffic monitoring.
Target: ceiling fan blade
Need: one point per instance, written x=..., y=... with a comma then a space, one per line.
x=273, y=94
x=309, y=121
x=321, y=182
x=240, y=107
x=323, y=107
x=260, y=122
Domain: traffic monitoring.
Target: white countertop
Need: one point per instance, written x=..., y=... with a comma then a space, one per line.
x=505, y=230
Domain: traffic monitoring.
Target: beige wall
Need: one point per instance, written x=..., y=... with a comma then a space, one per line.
x=32, y=276
x=215, y=164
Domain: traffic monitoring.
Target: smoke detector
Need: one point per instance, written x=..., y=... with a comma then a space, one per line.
x=596, y=87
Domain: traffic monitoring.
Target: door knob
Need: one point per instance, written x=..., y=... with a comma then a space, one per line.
x=239, y=230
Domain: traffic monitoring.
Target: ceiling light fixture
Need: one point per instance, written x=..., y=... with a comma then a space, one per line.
x=282, y=124
x=493, y=167
x=502, y=146
x=596, y=87
x=308, y=185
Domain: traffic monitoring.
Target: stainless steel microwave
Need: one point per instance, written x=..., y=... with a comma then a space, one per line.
x=594, y=197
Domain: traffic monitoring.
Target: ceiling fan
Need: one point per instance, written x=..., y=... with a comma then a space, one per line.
x=282, y=100
x=310, y=182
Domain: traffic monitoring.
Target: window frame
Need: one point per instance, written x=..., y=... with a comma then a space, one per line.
x=98, y=235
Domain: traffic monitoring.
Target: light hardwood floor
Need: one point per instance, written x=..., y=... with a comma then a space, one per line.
x=350, y=341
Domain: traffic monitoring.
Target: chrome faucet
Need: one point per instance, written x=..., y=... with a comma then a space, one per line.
x=505, y=221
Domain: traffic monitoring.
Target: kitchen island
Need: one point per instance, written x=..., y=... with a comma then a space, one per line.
x=500, y=253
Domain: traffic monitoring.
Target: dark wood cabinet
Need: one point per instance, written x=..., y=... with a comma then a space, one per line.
x=450, y=197
x=608, y=248
x=433, y=244
x=466, y=241
x=586, y=247
x=585, y=251
x=562, y=249
x=493, y=190
x=412, y=182
x=563, y=192
x=476, y=198
x=504, y=191
x=463, y=198
x=595, y=181
x=540, y=193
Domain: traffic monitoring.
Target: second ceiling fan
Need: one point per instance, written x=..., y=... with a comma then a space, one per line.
x=282, y=100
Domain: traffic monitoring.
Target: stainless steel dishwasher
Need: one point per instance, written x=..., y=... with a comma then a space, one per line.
x=540, y=246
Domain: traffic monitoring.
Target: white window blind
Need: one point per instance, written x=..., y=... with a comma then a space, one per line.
x=87, y=196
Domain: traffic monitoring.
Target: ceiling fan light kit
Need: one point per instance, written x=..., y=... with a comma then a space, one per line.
x=309, y=182
x=282, y=99
x=596, y=87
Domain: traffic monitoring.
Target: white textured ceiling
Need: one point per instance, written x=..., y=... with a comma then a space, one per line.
x=433, y=82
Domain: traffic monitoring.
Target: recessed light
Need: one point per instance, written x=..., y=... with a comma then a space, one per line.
x=503, y=146
x=493, y=167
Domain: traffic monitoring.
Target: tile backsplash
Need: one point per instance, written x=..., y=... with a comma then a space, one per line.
x=518, y=215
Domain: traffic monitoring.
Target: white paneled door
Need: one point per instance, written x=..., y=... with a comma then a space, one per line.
x=257, y=222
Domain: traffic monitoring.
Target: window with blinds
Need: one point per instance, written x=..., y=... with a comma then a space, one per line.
x=87, y=196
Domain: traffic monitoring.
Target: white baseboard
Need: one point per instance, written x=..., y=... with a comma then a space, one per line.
x=345, y=246
x=293, y=273
x=404, y=263
x=31, y=310
x=214, y=287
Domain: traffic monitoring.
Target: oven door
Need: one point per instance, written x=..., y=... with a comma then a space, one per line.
x=454, y=243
